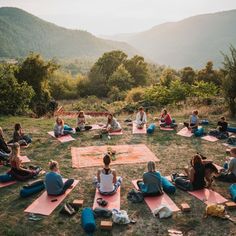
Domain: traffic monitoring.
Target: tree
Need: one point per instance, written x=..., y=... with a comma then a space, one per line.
x=36, y=72
x=229, y=81
x=120, y=79
x=167, y=76
x=209, y=75
x=101, y=71
x=203, y=89
x=178, y=91
x=187, y=75
x=15, y=97
x=138, y=69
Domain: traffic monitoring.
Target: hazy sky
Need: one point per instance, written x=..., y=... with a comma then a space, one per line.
x=107, y=17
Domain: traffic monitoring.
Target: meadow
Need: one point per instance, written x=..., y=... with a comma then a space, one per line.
x=173, y=151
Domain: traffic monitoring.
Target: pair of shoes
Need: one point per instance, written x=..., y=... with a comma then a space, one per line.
x=68, y=210
x=101, y=202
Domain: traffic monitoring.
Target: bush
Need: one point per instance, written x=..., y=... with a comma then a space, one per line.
x=15, y=97
x=135, y=95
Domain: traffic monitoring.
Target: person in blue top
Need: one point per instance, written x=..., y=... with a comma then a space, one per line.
x=193, y=121
x=53, y=180
x=151, y=184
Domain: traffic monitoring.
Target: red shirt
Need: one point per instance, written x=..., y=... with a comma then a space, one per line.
x=167, y=118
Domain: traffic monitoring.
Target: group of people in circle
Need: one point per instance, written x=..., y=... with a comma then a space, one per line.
x=199, y=174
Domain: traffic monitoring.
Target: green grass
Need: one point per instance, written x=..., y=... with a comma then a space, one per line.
x=173, y=151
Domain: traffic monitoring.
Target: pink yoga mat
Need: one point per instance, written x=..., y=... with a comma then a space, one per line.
x=2, y=185
x=185, y=132
x=44, y=205
x=24, y=159
x=113, y=201
x=62, y=139
x=125, y=154
x=210, y=138
x=155, y=202
x=116, y=133
x=208, y=196
x=136, y=130
x=166, y=128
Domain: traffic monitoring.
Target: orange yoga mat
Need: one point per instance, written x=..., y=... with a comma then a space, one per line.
x=210, y=138
x=185, y=132
x=125, y=154
x=155, y=201
x=2, y=185
x=44, y=205
x=139, y=131
x=113, y=200
x=208, y=196
x=62, y=139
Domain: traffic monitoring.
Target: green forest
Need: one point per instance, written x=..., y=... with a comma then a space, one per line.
x=35, y=85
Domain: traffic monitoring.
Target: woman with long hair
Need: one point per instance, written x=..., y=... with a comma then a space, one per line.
x=18, y=171
x=112, y=124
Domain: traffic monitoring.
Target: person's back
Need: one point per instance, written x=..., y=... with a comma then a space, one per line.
x=53, y=183
x=199, y=177
x=152, y=183
x=106, y=180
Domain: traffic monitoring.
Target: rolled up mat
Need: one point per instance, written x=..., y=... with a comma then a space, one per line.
x=67, y=128
x=151, y=128
x=231, y=129
x=167, y=186
x=88, y=221
x=204, y=122
x=199, y=132
x=6, y=178
x=232, y=190
x=173, y=121
x=26, y=192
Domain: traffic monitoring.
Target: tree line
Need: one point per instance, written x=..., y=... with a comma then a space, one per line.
x=34, y=83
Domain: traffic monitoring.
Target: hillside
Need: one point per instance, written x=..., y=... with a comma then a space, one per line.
x=21, y=32
x=191, y=41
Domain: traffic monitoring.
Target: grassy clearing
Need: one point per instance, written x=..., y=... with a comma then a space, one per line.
x=173, y=151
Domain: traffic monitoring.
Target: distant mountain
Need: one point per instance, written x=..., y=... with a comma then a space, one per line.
x=192, y=41
x=21, y=32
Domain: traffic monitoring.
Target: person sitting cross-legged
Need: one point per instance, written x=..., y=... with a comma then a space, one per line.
x=106, y=180
x=18, y=171
x=166, y=120
x=151, y=184
x=221, y=131
x=230, y=174
x=195, y=178
x=53, y=180
x=141, y=118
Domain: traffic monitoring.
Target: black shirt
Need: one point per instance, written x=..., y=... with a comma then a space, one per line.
x=223, y=125
x=3, y=145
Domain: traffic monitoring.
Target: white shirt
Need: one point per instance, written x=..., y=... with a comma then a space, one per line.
x=106, y=182
x=141, y=119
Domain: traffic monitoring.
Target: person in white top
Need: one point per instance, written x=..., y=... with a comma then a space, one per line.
x=106, y=180
x=112, y=124
x=141, y=118
x=81, y=122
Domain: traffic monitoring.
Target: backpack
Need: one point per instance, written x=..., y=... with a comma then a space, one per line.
x=215, y=210
x=135, y=196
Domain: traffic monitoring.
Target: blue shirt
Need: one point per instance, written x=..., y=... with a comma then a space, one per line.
x=152, y=182
x=53, y=183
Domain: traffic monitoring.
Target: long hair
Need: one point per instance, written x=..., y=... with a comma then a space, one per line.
x=1, y=132
x=17, y=126
x=81, y=113
x=151, y=166
x=59, y=121
x=109, y=119
x=196, y=160
x=15, y=151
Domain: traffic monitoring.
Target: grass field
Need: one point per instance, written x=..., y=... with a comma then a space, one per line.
x=173, y=151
